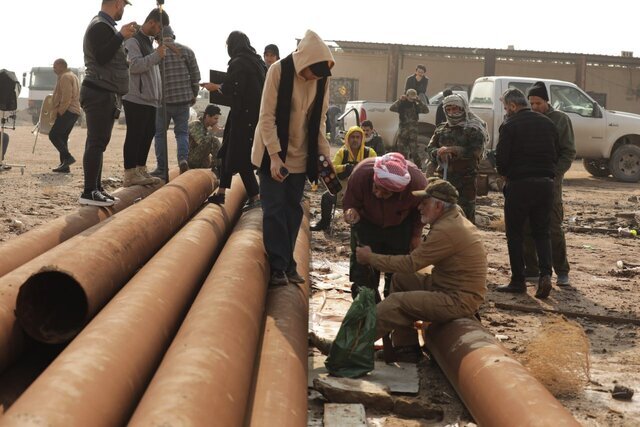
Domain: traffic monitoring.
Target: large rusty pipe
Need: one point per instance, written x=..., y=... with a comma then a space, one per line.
x=205, y=376
x=497, y=390
x=279, y=393
x=100, y=376
x=72, y=285
x=29, y=245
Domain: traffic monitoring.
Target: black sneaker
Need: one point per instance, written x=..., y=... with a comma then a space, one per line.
x=217, y=199
x=157, y=173
x=61, y=168
x=69, y=160
x=184, y=166
x=294, y=277
x=95, y=198
x=278, y=278
x=251, y=204
x=513, y=288
x=108, y=196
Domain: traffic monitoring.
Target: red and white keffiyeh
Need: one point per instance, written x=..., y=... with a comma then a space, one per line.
x=391, y=172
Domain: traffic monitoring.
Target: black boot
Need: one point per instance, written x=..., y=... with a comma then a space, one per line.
x=327, y=203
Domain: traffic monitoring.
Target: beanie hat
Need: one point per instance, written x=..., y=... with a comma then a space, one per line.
x=538, y=89
x=391, y=172
x=439, y=189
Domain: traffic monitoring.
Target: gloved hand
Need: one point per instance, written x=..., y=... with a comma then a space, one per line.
x=348, y=168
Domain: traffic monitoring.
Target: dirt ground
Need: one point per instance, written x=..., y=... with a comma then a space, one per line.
x=601, y=285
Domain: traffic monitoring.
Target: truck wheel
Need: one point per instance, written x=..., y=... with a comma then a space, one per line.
x=599, y=168
x=625, y=163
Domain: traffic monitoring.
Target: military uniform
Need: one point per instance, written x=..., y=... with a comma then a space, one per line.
x=463, y=167
x=566, y=155
x=203, y=144
x=406, y=139
x=455, y=288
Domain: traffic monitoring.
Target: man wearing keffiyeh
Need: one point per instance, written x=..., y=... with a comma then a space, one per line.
x=382, y=212
x=457, y=146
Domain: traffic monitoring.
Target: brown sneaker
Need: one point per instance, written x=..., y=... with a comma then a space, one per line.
x=544, y=287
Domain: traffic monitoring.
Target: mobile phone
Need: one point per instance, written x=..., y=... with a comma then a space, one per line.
x=284, y=172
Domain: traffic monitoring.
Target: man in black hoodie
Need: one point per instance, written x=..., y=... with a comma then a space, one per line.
x=526, y=155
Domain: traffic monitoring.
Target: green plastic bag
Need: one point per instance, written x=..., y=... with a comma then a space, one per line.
x=352, y=352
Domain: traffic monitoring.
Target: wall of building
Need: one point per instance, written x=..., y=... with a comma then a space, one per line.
x=369, y=70
x=622, y=86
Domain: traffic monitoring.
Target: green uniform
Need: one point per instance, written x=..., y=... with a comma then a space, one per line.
x=566, y=155
x=406, y=140
x=203, y=147
x=455, y=288
x=463, y=166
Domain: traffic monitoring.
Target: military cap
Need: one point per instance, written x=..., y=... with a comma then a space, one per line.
x=439, y=189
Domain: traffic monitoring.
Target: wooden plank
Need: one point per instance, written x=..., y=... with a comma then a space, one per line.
x=344, y=415
x=574, y=314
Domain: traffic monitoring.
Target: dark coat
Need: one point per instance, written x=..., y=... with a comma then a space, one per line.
x=243, y=83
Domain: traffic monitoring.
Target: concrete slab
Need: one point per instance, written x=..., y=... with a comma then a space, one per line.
x=399, y=378
x=344, y=415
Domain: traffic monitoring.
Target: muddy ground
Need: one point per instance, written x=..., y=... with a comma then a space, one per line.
x=599, y=285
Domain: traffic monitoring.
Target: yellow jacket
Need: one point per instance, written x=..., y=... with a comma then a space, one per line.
x=345, y=156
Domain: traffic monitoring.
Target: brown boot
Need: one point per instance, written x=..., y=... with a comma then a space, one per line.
x=131, y=177
x=142, y=171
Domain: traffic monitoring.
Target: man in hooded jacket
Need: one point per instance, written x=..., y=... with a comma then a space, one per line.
x=346, y=158
x=288, y=139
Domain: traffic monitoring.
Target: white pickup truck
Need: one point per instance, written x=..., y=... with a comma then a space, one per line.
x=607, y=141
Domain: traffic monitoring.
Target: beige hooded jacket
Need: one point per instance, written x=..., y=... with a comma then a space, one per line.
x=311, y=50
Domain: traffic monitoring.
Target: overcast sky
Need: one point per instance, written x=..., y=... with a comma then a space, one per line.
x=35, y=32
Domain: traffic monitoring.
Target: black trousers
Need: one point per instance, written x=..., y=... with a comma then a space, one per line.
x=141, y=128
x=395, y=240
x=59, y=133
x=248, y=179
x=99, y=107
x=530, y=198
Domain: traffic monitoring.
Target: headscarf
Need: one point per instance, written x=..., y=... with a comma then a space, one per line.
x=391, y=172
x=465, y=118
x=238, y=44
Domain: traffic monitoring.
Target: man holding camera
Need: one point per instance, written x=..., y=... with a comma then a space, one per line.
x=106, y=80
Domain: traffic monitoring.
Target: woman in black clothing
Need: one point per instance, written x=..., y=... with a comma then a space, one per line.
x=243, y=84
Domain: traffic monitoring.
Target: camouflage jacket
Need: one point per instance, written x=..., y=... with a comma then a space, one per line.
x=467, y=157
x=408, y=111
x=202, y=143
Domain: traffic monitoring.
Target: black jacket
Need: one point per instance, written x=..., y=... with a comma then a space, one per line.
x=377, y=144
x=527, y=147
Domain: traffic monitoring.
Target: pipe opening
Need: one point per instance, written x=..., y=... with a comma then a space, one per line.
x=51, y=307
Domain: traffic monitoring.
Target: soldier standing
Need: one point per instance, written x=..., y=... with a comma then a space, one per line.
x=409, y=108
x=457, y=145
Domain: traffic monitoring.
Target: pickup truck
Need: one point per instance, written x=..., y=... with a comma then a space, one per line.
x=607, y=141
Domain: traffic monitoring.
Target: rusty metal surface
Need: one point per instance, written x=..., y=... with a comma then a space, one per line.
x=71, y=284
x=29, y=245
x=205, y=376
x=279, y=393
x=496, y=389
x=101, y=375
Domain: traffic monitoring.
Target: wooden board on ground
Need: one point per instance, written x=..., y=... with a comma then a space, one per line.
x=399, y=378
x=344, y=415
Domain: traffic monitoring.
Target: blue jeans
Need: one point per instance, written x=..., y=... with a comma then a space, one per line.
x=180, y=116
x=281, y=218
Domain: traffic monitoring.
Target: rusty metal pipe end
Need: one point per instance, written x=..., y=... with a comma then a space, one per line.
x=51, y=307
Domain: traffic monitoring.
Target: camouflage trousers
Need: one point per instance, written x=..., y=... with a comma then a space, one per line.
x=558, y=242
x=466, y=186
x=407, y=144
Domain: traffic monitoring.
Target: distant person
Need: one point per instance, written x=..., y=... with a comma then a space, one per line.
x=143, y=99
x=440, y=116
x=539, y=100
x=332, y=122
x=203, y=144
x=288, y=140
x=526, y=155
x=418, y=81
x=66, y=105
x=457, y=145
x=5, y=145
x=243, y=84
x=372, y=139
x=271, y=54
x=409, y=107
x=106, y=80
x=180, y=83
